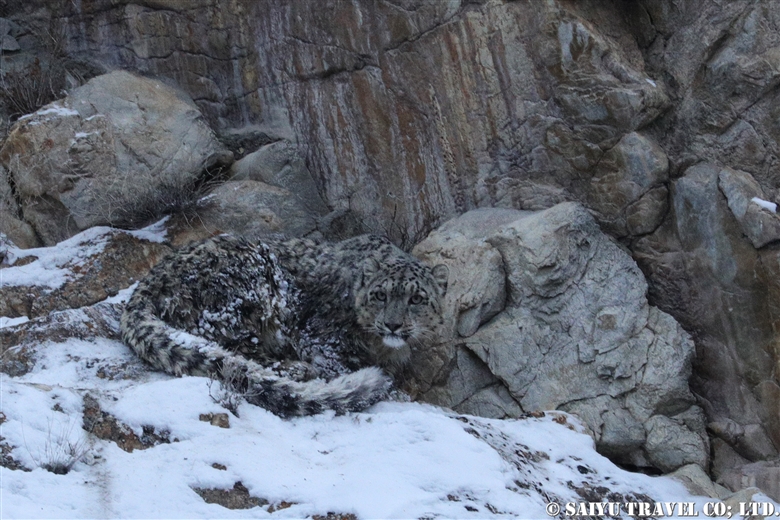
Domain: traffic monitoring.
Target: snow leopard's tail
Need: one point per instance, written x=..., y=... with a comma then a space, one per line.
x=351, y=392
x=176, y=352
x=164, y=347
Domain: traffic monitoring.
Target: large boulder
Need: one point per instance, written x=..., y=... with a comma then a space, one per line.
x=544, y=312
x=117, y=150
x=280, y=164
x=627, y=189
x=247, y=208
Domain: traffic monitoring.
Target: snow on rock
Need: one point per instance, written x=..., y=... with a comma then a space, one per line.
x=52, y=109
x=53, y=266
x=79, y=271
x=771, y=206
x=756, y=216
x=157, y=232
x=10, y=322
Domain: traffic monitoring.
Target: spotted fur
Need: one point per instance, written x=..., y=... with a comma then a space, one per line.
x=296, y=326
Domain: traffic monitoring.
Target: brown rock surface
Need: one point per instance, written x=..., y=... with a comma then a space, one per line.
x=92, y=268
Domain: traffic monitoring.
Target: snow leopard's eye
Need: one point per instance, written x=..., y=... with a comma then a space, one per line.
x=416, y=299
x=380, y=296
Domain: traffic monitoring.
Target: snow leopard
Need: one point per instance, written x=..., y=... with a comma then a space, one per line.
x=297, y=327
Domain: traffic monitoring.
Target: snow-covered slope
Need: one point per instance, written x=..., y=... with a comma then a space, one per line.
x=398, y=460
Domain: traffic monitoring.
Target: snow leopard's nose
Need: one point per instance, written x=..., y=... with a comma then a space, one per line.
x=392, y=326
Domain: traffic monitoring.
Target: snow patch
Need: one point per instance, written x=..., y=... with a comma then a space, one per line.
x=396, y=460
x=10, y=322
x=53, y=265
x=156, y=232
x=52, y=109
x=82, y=135
x=123, y=295
x=771, y=206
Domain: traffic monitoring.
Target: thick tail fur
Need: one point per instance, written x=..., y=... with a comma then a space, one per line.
x=177, y=352
x=164, y=347
x=351, y=392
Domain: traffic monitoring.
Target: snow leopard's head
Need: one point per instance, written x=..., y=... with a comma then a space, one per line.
x=399, y=299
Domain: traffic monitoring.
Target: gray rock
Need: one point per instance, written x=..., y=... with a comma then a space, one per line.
x=627, y=172
x=664, y=378
x=117, y=150
x=6, y=244
x=764, y=475
x=528, y=195
x=8, y=43
x=671, y=445
x=647, y=213
x=341, y=224
x=621, y=434
x=7, y=201
x=750, y=441
x=279, y=164
x=254, y=209
x=468, y=384
x=473, y=297
x=697, y=482
x=575, y=333
x=20, y=232
x=761, y=225
x=702, y=268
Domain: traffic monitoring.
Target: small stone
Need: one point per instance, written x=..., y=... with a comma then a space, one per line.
x=9, y=44
x=236, y=498
x=216, y=419
x=281, y=505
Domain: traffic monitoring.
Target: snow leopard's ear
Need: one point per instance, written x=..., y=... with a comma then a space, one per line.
x=370, y=269
x=441, y=274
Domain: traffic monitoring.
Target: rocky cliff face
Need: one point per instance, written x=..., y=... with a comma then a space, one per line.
x=659, y=116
